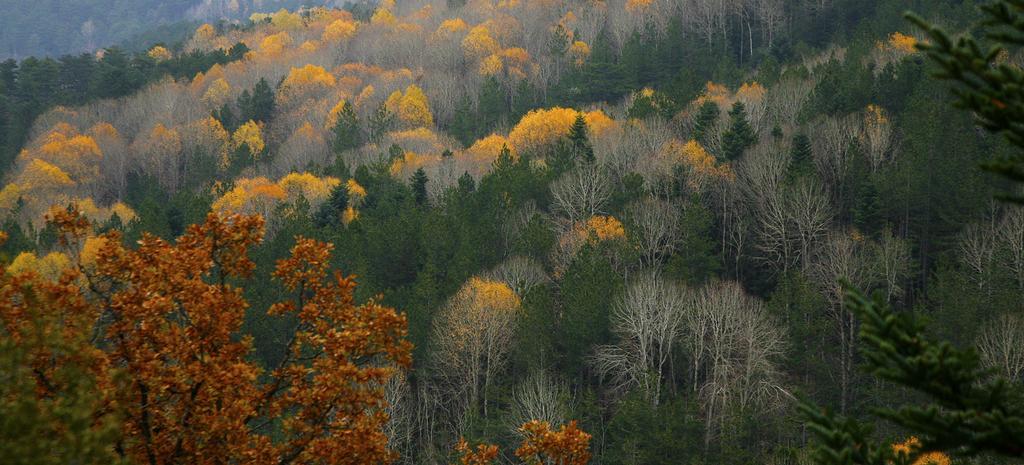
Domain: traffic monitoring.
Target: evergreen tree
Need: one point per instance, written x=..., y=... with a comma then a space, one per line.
x=330, y=213
x=580, y=141
x=707, y=116
x=226, y=117
x=347, y=133
x=801, y=163
x=740, y=135
x=380, y=123
x=259, y=105
x=419, y=187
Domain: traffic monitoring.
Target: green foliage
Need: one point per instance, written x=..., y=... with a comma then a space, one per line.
x=259, y=105
x=740, y=136
x=971, y=411
x=348, y=134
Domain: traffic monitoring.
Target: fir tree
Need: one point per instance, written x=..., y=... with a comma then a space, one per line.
x=740, y=135
x=801, y=163
x=331, y=211
x=347, y=133
x=707, y=116
x=258, y=105
x=380, y=123
x=419, y=186
x=580, y=141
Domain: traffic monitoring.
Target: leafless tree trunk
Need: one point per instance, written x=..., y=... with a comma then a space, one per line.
x=1001, y=346
x=647, y=321
x=657, y=227
x=581, y=193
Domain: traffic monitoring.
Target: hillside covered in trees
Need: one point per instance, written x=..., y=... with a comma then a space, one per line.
x=596, y=230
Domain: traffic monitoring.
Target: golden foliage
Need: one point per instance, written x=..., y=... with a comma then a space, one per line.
x=902, y=42
x=488, y=149
x=304, y=80
x=540, y=128
x=701, y=164
x=284, y=20
x=40, y=175
x=489, y=295
x=204, y=33
x=274, y=44
x=250, y=135
x=50, y=267
x=450, y=27
x=599, y=124
x=579, y=51
x=339, y=31
x=160, y=53
x=412, y=107
x=261, y=196
x=383, y=17
x=602, y=228
x=217, y=94
x=637, y=6
x=191, y=391
x=874, y=116
x=479, y=43
x=491, y=66
x=355, y=190
x=332, y=116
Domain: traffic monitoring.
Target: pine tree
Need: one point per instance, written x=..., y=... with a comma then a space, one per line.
x=740, y=135
x=260, y=104
x=801, y=163
x=331, y=211
x=580, y=141
x=380, y=123
x=347, y=133
x=227, y=118
x=707, y=116
x=419, y=186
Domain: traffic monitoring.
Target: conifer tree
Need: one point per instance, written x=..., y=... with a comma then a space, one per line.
x=707, y=116
x=740, y=135
x=419, y=186
x=580, y=140
x=331, y=211
x=347, y=133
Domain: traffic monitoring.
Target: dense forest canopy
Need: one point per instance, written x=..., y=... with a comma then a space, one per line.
x=607, y=231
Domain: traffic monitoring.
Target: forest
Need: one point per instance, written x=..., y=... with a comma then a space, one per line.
x=555, y=232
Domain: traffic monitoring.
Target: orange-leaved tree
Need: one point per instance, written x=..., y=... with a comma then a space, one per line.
x=156, y=333
x=541, y=445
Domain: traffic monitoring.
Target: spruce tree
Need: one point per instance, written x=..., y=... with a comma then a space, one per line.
x=347, y=133
x=331, y=211
x=580, y=141
x=419, y=186
x=740, y=135
x=801, y=163
x=707, y=116
x=380, y=123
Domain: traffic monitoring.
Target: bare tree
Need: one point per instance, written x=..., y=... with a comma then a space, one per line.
x=473, y=334
x=1001, y=346
x=842, y=257
x=810, y=213
x=521, y=274
x=877, y=137
x=540, y=396
x=787, y=99
x=646, y=320
x=1010, y=234
x=761, y=177
x=892, y=257
x=657, y=228
x=734, y=346
x=977, y=247
x=581, y=193
x=831, y=145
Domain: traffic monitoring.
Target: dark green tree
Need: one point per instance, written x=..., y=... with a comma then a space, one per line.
x=579, y=140
x=380, y=123
x=330, y=213
x=259, y=105
x=740, y=135
x=706, y=119
x=348, y=134
x=419, y=186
